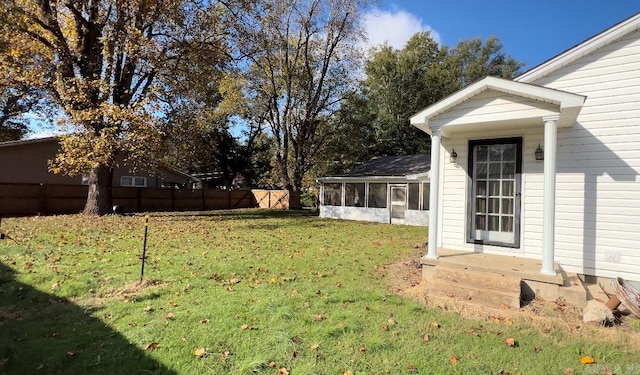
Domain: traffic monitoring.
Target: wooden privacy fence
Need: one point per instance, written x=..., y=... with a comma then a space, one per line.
x=47, y=199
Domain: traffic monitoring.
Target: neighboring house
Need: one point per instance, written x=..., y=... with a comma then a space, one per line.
x=26, y=161
x=391, y=189
x=580, y=205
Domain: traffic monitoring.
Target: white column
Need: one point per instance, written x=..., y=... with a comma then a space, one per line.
x=434, y=185
x=549, y=202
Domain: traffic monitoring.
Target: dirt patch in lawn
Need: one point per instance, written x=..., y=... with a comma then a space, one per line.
x=405, y=278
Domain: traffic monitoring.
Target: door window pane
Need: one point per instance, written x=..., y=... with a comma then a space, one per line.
x=507, y=224
x=377, y=195
x=398, y=194
x=494, y=223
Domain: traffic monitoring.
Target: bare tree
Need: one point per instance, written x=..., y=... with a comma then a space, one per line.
x=299, y=57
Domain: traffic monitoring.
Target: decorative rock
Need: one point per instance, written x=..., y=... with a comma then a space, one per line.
x=597, y=312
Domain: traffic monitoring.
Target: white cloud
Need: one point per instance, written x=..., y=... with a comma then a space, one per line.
x=393, y=27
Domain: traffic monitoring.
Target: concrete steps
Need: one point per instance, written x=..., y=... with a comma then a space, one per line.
x=495, y=280
x=478, y=286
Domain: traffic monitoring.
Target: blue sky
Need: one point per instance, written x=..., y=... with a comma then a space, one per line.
x=530, y=31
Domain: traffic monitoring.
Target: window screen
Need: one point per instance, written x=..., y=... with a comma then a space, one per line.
x=414, y=197
x=332, y=194
x=425, y=196
x=377, y=195
x=354, y=195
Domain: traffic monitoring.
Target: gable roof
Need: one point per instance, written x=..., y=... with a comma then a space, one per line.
x=597, y=41
x=389, y=166
x=568, y=104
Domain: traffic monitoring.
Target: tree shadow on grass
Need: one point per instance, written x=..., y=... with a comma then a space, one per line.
x=44, y=334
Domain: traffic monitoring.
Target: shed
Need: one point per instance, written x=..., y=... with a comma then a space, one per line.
x=392, y=189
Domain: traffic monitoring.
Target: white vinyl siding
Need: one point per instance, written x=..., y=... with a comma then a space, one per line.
x=491, y=106
x=598, y=193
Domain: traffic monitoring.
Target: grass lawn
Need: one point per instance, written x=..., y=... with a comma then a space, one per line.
x=248, y=292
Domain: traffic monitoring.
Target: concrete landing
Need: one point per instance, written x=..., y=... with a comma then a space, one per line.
x=498, y=279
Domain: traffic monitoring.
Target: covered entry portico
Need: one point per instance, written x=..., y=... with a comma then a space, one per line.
x=488, y=118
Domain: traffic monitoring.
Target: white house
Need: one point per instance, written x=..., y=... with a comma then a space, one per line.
x=392, y=189
x=580, y=205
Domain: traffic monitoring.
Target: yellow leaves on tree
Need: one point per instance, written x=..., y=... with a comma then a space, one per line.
x=104, y=72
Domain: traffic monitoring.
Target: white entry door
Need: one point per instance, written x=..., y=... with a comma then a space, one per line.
x=398, y=204
x=495, y=191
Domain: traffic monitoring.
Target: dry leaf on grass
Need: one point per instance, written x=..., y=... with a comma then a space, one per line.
x=510, y=341
x=151, y=346
x=454, y=359
x=587, y=360
x=200, y=352
x=284, y=371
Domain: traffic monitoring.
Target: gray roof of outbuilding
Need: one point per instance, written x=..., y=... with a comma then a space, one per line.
x=392, y=166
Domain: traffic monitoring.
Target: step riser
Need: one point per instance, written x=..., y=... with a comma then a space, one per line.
x=478, y=280
x=464, y=292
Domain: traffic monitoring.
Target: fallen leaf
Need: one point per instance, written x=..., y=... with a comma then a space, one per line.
x=537, y=349
x=391, y=322
x=454, y=359
x=147, y=309
x=426, y=337
x=169, y=316
x=348, y=372
x=3, y=361
x=435, y=325
x=200, y=352
x=246, y=327
x=173, y=304
x=224, y=356
x=504, y=372
x=568, y=371
x=362, y=349
x=204, y=321
x=412, y=368
x=272, y=364
x=315, y=346
x=71, y=353
x=587, y=360
x=510, y=341
x=284, y=371
x=607, y=371
x=151, y=346
x=318, y=317
x=338, y=284
x=385, y=327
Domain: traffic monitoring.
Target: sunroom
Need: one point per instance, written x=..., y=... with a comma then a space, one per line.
x=391, y=189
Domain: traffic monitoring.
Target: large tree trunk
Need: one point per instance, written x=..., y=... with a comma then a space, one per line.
x=99, y=200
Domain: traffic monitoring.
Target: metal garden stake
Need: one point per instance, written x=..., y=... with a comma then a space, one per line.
x=144, y=245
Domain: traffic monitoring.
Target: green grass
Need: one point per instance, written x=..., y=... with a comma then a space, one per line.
x=259, y=291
